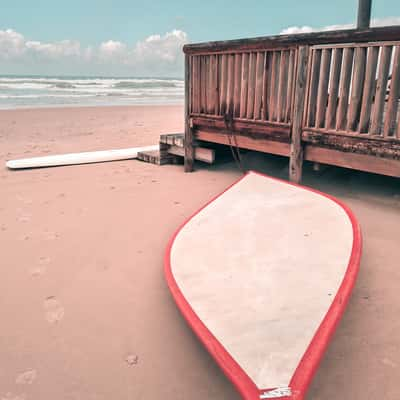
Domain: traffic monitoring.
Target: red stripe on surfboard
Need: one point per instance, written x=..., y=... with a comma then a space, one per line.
x=309, y=363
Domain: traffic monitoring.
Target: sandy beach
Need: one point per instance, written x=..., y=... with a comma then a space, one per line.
x=85, y=312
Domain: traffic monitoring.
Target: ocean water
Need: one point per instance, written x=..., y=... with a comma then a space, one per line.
x=52, y=91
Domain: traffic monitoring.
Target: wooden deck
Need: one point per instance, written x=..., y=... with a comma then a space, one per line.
x=299, y=96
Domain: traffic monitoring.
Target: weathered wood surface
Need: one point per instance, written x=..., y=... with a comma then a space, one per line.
x=200, y=153
x=157, y=157
x=230, y=84
x=283, y=85
x=344, y=89
x=238, y=85
x=323, y=87
x=258, y=85
x=251, y=86
x=313, y=89
x=361, y=162
x=290, y=85
x=388, y=33
x=334, y=88
x=392, y=106
x=176, y=139
x=381, y=87
x=270, y=130
x=274, y=82
x=369, y=88
x=356, y=88
x=353, y=144
x=296, y=150
x=259, y=143
x=352, y=89
x=223, y=81
x=244, y=86
x=189, y=153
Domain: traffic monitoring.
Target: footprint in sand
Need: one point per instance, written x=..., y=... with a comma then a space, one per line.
x=41, y=268
x=50, y=235
x=24, y=218
x=24, y=237
x=26, y=378
x=53, y=310
x=132, y=359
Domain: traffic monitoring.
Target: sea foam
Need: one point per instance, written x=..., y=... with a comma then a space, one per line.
x=43, y=91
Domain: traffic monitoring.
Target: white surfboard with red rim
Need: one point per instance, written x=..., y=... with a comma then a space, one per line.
x=263, y=274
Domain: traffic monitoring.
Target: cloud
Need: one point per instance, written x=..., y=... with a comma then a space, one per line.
x=165, y=47
x=156, y=54
x=111, y=50
x=65, y=48
x=306, y=29
x=12, y=44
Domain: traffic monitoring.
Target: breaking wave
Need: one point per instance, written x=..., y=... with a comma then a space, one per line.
x=45, y=91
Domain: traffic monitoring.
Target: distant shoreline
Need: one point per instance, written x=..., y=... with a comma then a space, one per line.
x=72, y=106
x=88, y=106
x=24, y=91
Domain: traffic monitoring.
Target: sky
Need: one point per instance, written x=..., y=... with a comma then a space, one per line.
x=145, y=38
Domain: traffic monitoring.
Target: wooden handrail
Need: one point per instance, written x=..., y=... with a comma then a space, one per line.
x=386, y=33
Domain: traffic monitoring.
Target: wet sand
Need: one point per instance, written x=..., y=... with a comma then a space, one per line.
x=85, y=311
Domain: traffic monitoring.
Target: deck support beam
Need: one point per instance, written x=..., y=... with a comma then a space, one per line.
x=188, y=143
x=296, y=148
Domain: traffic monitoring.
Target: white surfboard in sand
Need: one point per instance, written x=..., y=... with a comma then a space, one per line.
x=79, y=158
x=263, y=274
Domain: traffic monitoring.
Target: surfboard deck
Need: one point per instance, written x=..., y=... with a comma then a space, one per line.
x=78, y=158
x=262, y=274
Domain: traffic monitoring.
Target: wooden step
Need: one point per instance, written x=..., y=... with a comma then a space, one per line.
x=173, y=139
x=200, y=153
x=172, y=151
x=156, y=157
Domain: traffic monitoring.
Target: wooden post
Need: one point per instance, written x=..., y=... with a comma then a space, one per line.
x=189, y=152
x=296, y=149
x=364, y=14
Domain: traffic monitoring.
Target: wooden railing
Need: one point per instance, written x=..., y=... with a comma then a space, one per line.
x=330, y=97
x=349, y=90
x=245, y=85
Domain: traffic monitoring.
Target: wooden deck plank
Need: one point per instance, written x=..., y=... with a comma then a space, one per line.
x=258, y=85
x=238, y=85
x=188, y=149
x=313, y=89
x=245, y=142
x=296, y=148
x=334, y=88
x=380, y=93
x=200, y=153
x=344, y=88
x=392, y=105
x=223, y=83
x=231, y=84
x=283, y=85
x=245, y=85
x=361, y=162
x=369, y=88
x=322, y=95
x=356, y=88
x=251, y=85
x=290, y=86
x=274, y=84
